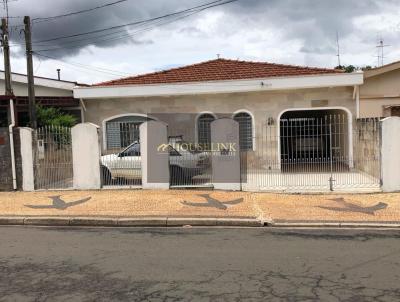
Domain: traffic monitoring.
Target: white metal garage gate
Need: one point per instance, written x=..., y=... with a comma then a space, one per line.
x=316, y=150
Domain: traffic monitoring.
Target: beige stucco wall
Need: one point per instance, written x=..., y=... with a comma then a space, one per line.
x=379, y=91
x=21, y=89
x=262, y=105
x=376, y=107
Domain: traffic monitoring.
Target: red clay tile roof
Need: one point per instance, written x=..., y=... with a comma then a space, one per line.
x=218, y=70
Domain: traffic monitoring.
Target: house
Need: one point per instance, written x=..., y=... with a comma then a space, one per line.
x=250, y=91
x=49, y=92
x=380, y=93
x=292, y=119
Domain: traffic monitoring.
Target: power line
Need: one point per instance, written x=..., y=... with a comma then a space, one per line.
x=82, y=42
x=43, y=19
x=88, y=67
x=207, y=5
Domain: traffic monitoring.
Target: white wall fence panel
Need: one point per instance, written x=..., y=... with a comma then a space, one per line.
x=86, y=156
x=390, y=154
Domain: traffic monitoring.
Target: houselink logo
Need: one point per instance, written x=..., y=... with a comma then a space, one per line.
x=226, y=148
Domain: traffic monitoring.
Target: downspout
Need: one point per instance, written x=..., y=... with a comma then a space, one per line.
x=358, y=101
x=83, y=109
x=10, y=132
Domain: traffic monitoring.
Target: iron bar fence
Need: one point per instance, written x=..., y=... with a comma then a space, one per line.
x=314, y=154
x=53, y=158
x=189, y=156
x=121, y=164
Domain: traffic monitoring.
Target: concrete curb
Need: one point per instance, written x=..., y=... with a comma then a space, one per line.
x=334, y=225
x=180, y=222
x=130, y=222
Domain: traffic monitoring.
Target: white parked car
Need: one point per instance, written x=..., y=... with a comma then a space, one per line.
x=128, y=163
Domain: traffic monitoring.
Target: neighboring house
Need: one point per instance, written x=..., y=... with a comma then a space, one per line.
x=49, y=92
x=253, y=93
x=380, y=94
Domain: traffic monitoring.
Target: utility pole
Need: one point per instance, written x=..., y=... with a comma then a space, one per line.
x=7, y=65
x=31, y=81
x=6, y=51
x=9, y=92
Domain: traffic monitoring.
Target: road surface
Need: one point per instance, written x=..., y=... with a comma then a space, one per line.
x=198, y=264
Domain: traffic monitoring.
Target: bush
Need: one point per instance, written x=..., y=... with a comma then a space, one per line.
x=50, y=116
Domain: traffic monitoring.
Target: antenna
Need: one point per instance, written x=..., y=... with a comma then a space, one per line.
x=381, y=51
x=338, y=48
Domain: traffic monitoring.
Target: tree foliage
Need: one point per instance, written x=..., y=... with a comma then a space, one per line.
x=352, y=68
x=51, y=116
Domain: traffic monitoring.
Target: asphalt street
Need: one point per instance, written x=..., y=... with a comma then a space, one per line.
x=198, y=264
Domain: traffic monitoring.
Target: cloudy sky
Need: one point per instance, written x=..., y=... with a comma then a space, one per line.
x=301, y=32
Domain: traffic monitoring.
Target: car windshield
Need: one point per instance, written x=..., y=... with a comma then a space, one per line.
x=132, y=150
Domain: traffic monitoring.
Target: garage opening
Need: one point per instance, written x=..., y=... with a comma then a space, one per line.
x=315, y=141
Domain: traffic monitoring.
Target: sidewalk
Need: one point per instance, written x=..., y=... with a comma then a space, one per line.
x=183, y=205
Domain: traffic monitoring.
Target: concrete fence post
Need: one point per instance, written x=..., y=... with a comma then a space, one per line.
x=154, y=155
x=390, y=151
x=27, y=159
x=86, y=154
x=225, y=158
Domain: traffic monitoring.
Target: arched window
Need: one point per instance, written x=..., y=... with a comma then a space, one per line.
x=245, y=130
x=122, y=131
x=204, y=128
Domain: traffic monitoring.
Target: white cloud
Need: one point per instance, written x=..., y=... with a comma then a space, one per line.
x=282, y=31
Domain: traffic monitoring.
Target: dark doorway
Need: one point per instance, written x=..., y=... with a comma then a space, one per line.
x=314, y=140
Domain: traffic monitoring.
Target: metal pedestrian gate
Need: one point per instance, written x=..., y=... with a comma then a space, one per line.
x=314, y=151
x=53, y=158
x=190, y=158
x=121, y=162
x=190, y=164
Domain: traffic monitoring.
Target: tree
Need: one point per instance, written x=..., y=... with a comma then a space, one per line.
x=51, y=116
x=348, y=68
x=352, y=68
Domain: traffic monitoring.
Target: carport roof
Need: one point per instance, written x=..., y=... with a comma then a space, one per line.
x=219, y=70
